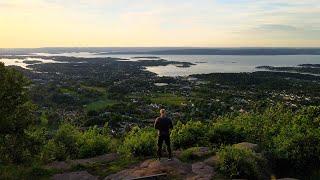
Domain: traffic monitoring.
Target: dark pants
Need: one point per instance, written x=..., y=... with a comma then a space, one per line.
x=166, y=139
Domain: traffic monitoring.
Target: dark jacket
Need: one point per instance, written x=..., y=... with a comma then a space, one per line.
x=163, y=124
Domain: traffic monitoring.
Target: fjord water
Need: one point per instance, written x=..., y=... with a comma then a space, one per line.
x=203, y=63
x=218, y=63
x=21, y=63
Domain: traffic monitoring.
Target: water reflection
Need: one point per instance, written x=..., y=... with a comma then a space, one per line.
x=25, y=62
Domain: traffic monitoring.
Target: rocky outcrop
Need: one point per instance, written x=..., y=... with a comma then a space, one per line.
x=174, y=168
x=151, y=166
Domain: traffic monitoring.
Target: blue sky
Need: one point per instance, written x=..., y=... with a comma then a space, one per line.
x=213, y=23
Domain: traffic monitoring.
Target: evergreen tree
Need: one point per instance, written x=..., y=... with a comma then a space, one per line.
x=15, y=114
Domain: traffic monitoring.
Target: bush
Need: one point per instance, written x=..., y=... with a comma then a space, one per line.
x=223, y=133
x=189, y=135
x=297, y=144
x=299, y=150
x=93, y=142
x=53, y=151
x=260, y=127
x=139, y=142
x=241, y=163
x=67, y=136
x=36, y=139
x=63, y=145
x=70, y=142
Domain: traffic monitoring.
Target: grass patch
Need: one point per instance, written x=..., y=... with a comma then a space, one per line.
x=68, y=91
x=25, y=172
x=191, y=155
x=105, y=169
x=100, y=104
x=94, y=88
x=169, y=99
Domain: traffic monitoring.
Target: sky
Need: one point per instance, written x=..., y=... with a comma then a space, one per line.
x=159, y=23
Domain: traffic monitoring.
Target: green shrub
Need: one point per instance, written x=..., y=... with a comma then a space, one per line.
x=189, y=135
x=223, y=133
x=93, y=142
x=63, y=145
x=288, y=138
x=241, y=163
x=53, y=151
x=67, y=135
x=36, y=139
x=297, y=143
x=139, y=142
x=299, y=150
x=260, y=127
x=70, y=142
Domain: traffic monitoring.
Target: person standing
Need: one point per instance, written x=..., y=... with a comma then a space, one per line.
x=163, y=124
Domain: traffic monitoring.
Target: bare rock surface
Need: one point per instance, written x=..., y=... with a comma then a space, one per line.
x=97, y=159
x=174, y=168
x=151, y=166
x=61, y=165
x=202, y=171
x=80, y=175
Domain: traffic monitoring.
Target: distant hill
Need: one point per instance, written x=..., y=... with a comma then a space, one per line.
x=166, y=51
x=232, y=51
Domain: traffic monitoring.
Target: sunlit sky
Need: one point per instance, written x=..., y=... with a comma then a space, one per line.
x=197, y=23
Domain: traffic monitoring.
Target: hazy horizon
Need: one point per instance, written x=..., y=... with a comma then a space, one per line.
x=169, y=47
